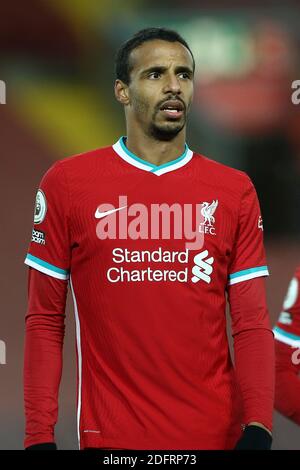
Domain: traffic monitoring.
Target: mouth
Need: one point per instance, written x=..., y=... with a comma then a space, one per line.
x=173, y=109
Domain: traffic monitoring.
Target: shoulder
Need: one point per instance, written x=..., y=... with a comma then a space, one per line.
x=224, y=177
x=80, y=166
x=85, y=159
x=220, y=173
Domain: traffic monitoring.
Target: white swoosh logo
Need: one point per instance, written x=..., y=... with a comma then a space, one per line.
x=99, y=214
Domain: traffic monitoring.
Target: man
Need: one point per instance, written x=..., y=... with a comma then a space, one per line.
x=151, y=235
x=287, y=353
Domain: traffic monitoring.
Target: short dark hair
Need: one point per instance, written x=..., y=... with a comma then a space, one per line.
x=122, y=62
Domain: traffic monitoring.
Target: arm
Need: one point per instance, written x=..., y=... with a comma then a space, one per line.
x=44, y=335
x=287, y=344
x=253, y=350
x=253, y=337
x=287, y=391
x=49, y=254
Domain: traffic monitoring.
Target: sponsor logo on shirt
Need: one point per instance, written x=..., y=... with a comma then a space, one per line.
x=123, y=258
x=38, y=237
x=187, y=222
x=203, y=267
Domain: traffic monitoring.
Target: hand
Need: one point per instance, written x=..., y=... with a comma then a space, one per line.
x=255, y=437
x=43, y=446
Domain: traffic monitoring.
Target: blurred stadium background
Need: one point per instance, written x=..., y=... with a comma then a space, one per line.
x=57, y=60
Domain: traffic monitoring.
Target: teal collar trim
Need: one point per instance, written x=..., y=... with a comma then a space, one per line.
x=121, y=149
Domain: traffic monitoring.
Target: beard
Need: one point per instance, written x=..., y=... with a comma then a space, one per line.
x=165, y=131
x=161, y=131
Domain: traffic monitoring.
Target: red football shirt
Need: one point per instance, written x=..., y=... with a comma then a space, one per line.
x=287, y=335
x=287, y=329
x=149, y=252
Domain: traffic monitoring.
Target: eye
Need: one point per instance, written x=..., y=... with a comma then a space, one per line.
x=185, y=75
x=154, y=75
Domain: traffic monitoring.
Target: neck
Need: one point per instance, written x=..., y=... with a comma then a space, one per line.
x=155, y=151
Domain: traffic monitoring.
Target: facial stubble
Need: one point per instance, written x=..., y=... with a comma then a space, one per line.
x=166, y=131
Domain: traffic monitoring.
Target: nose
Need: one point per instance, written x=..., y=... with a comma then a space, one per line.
x=172, y=84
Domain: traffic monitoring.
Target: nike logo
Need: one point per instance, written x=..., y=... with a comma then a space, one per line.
x=99, y=214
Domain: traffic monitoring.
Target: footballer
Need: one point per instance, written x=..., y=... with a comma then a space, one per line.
x=151, y=238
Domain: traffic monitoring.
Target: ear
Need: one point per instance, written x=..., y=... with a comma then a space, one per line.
x=122, y=92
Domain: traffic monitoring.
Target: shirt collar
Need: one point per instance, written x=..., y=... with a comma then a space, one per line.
x=123, y=152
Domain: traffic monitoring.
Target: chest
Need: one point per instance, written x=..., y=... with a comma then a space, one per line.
x=178, y=217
